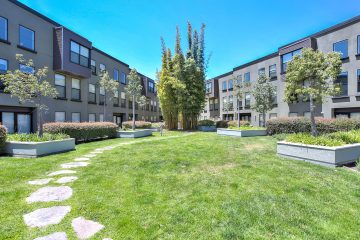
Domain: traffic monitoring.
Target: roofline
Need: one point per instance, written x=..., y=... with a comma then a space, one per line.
x=109, y=56
x=275, y=54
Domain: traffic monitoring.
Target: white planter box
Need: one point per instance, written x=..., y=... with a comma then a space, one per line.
x=327, y=156
x=241, y=133
x=207, y=128
x=37, y=149
x=135, y=134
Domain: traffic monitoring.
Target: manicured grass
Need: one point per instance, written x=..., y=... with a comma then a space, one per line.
x=201, y=186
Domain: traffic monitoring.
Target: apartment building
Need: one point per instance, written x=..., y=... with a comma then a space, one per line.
x=212, y=105
x=343, y=38
x=74, y=69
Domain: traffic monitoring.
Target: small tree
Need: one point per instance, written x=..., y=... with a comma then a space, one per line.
x=239, y=91
x=311, y=76
x=110, y=87
x=30, y=86
x=264, y=94
x=134, y=90
x=226, y=108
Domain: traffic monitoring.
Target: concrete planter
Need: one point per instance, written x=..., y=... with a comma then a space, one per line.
x=134, y=134
x=326, y=156
x=241, y=133
x=207, y=128
x=38, y=149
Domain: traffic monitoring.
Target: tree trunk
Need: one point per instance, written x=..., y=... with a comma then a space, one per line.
x=238, y=123
x=314, y=131
x=133, y=117
x=264, y=119
x=39, y=117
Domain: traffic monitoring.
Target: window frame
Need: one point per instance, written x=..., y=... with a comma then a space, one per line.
x=34, y=43
x=347, y=84
x=270, y=76
x=247, y=101
x=60, y=112
x=72, y=118
x=7, y=66
x=283, y=70
x=6, y=40
x=93, y=67
x=123, y=78
x=92, y=114
x=224, y=86
x=116, y=71
x=209, y=88
x=347, y=48
x=80, y=55
x=100, y=66
x=64, y=87
x=24, y=65
x=72, y=89
x=245, y=77
x=358, y=81
x=92, y=93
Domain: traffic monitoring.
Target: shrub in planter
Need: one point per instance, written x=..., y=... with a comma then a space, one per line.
x=138, y=124
x=235, y=123
x=206, y=123
x=221, y=124
x=2, y=138
x=33, y=137
x=85, y=131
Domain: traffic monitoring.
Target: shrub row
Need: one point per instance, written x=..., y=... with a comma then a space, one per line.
x=303, y=125
x=33, y=137
x=2, y=138
x=226, y=124
x=83, y=132
x=138, y=124
x=206, y=123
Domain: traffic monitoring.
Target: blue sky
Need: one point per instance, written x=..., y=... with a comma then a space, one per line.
x=237, y=31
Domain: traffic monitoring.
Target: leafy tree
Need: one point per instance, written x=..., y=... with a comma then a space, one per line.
x=134, y=90
x=31, y=86
x=264, y=94
x=227, y=107
x=311, y=76
x=239, y=92
x=110, y=87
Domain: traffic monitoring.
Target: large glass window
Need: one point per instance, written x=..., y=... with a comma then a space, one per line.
x=93, y=67
x=75, y=89
x=101, y=117
x=342, y=81
x=275, y=96
x=116, y=98
x=102, y=67
x=261, y=71
x=247, y=100
x=8, y=120
x=358, y=80
x=92, y=93
x=342, y=47
x=3, y=29
x=272, y=71
x=224, y=86
x=123, y=99
x=79, y=54
x=60, y=117
x=92, y=117
x=231, y=85
x=102, y=96
x=60, y=85
x=123, y=78
x=75, y=117
x=26, y=69
x=27, y=38
x=247, y=77
x=231, y=102
x=358, y=44
x=3, y=65
x=23, y=123
x=286, y=58
x=151, y=86
x=209, y=87
x=116, y=75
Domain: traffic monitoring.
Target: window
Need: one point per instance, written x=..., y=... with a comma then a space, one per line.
x=247, y=77
x=151, y=86
x=75, y=117
x=239, y=79
x=3, y=65
x=60, y=85
x=3, y=29
x=211, y=104
x=79, y=54
x=75, y=89
x=355, y=115
x=272, y=72
x=342, y=81
x=247, y=100
x=358, y=44
x=8, y=120
x=209, y=87
x=102, y=67
x=123, y=78
x=358, y=80
x=293, y=114
x=92, y=117
x=101, y=117
x=286, y=58
x=307, y=114
x=123, y=99
x=275, y=96
x=342, y=47
x=26, y=69
x=116, y=98
x=224, y=86
x=224, y=100
x=102, y=96
x=27, y=38
x=231, y=102
x=93, y=67
x=261, y=71
x=231, y=85
x=273, y=115
x=92, y=93
x=116, y=75
x=60, y=117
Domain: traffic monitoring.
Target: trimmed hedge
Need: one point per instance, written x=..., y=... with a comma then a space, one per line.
x=235, y=123
x=2, y=138
x=206, y=123
x=83, y=132
x=221, y=124
x=138, y=125
x=303, y=125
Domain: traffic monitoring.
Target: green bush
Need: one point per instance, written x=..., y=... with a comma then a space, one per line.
x=35, y=138
x=322, y=140
x=206, y=123
x=138, y=125
x=280, y=137
x=2, y=138
x=303, y=125
x=246, y=127
x=347, y=137
x=157, y=124
x=83, y=132
x=221, y=124
x=235, y=123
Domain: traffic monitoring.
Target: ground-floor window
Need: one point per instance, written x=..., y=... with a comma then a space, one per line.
x=92, y=117
x=16, y=122
x=60, y=117
x=75, y=117
x=273, y=115
x=293, y=114
x=101, y=117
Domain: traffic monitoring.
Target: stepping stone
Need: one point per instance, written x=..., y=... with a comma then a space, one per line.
x=74, y=165
x=46, y=216
x=85, y=229
x=82, y=159
x=54, y=236
x=50, y=194
x=61, y=173
x=66, y=179
x=107, y=239
x=90, y=155
x=97, y=152
x=40, y=181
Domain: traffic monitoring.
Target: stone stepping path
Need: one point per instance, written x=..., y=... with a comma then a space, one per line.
x=46, y=216
x=54, y=236
x=90, y=155
x=62, y=172
x=66, y=179
x=97, y=152
x=40, y=181
x=85, y=229
x=74, y=165
x=82, y=159
x=50, y=194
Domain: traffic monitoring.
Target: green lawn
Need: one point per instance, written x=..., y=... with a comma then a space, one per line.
x=199, y=186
